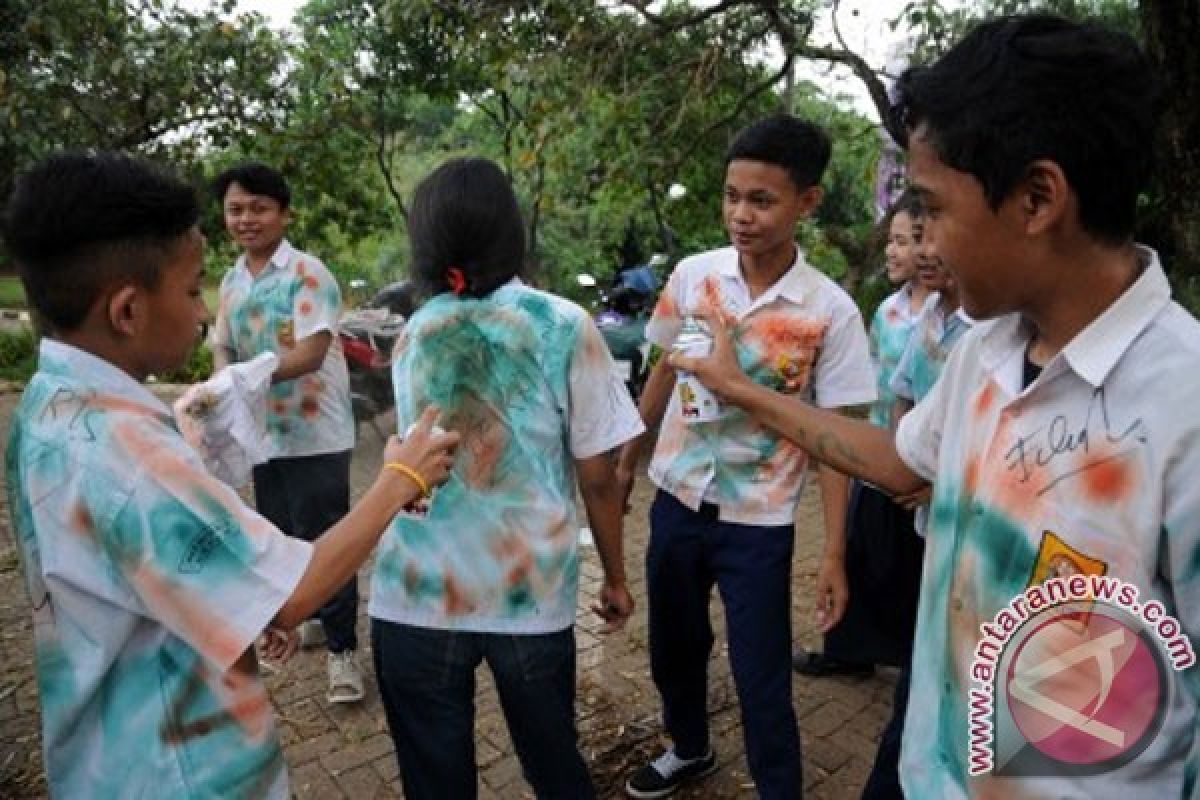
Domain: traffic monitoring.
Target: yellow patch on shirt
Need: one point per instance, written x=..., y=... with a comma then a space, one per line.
x=1057, y=559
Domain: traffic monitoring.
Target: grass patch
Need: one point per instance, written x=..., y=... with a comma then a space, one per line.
x=12, y=293
x=18, y=355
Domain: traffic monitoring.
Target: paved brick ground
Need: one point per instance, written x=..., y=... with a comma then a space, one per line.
x=336, y=752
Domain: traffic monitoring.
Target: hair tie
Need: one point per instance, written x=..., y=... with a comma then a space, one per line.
x=457, y=280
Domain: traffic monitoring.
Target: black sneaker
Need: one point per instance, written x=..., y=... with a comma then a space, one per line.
x=668, y=772
x=820, y=665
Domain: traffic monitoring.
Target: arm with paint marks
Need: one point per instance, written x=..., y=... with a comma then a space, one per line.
x=851, y=446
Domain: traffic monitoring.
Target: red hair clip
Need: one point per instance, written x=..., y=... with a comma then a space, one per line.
x=457, y=280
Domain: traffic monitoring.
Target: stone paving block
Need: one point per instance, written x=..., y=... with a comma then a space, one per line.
x=360, y=783
x=311, y=782
x=356, y=753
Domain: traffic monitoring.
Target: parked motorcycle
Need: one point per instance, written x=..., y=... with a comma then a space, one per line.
x=368, y=335
x=621, y=315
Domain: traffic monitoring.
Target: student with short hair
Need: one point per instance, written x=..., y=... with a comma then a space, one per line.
x=149, y=579
x=1061, y=437
x=282, y=300
x=725, y=510
x=489, y=572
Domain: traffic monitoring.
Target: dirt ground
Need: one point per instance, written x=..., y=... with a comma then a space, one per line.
x=336, y=752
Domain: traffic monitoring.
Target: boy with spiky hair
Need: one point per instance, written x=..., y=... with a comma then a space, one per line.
x=150, y=580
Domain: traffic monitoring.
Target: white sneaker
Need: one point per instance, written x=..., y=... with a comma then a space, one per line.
x=312, y=634
x=345, y=678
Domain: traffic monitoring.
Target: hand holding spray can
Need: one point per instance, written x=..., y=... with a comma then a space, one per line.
x=696, y=401
x=419, y=507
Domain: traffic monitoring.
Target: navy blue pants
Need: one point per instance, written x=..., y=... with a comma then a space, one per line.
x=427, y=682
x=884, y=781
x=304, y=497
x=752, y=567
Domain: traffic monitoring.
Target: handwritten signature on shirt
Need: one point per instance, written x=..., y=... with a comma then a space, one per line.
x=1044, y=445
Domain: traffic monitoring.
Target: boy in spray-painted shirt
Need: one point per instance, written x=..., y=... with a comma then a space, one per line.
x=150, y=580
x=1060, y=437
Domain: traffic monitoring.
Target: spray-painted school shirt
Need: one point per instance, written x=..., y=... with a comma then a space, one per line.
x=932, y=338
x=293, y=298
x=526, y=379
x=1092, y=469
x=890, y=330
x=803, y=336
x=149, y=580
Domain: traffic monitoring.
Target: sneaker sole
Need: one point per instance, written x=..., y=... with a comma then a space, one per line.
x=342, y=699
x=639, y=794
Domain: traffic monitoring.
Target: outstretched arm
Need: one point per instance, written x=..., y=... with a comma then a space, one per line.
x=850, y=446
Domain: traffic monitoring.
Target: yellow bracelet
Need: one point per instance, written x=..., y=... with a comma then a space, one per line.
x=405, y=469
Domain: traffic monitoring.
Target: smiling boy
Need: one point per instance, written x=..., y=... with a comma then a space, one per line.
x=279, y=299
x=724, y=512
x=1061, y=437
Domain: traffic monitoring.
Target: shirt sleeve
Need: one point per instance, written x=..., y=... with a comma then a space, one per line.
x=667, y=319
x=901, y=382
x=317, y=303
x=222, y=332
x=919, y=432
x=1181, y=533
x=200, y=562
x=844, y=376
x=602, y=414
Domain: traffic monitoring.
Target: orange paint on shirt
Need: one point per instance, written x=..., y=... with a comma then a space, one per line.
x=306, y=308
x=457, y=600
x=1108, y=481
x=310, y=406
x=984, y=399
x=311, y=282
x=81, y=520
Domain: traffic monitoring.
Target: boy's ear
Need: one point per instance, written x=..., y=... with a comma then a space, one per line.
x=810, y=198
x=126, y=309
x=1045, y=196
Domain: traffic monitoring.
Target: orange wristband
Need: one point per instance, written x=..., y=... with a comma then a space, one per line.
x=412, y=474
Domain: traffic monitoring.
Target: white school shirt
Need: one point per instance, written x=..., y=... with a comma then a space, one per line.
x=802, y=336
x=149, y=579
x=1093, y=468
x=293, y=297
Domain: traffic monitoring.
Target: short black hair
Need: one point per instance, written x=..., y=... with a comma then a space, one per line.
x=797, y=145
x=1037, y=86
x=76, y=223
x=256, y=178
x=464, y=214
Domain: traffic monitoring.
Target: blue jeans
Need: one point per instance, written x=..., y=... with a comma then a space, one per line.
x=427, y=682
x=304, y=497
x=752, y=568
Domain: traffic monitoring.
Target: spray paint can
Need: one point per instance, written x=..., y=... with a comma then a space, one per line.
x=419, y=508
x=697, y=403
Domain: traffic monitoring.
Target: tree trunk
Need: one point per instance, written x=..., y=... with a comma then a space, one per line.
x=1172, y=29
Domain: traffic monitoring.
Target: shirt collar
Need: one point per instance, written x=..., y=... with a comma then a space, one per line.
x=278, y=260
x=792, y=285
x=93, y=372
x=1097, y=348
